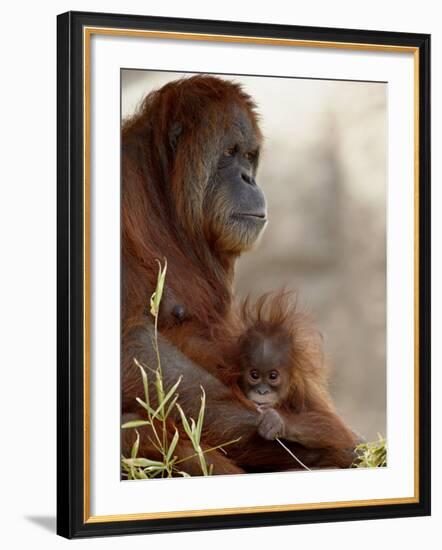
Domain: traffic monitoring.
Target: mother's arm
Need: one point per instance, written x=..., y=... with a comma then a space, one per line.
x=225, y=417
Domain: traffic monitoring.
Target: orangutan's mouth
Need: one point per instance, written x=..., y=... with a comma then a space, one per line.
x=255, y=216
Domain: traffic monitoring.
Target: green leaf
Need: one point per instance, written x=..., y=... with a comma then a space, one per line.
x=155, y=299
x=154, y=473
x=159, y=386
x=199, y=425
x=135, y=446
x=145, y=405
x=193, y=436
x=155, y=468
x=166, y=399
x=173, y=445
x=193, y=428
x=372, y=454
x=185, y=422
x=143, y=463
x=135, y=424
x=171, y=405
x=202, y=460
x=172, y=390
x=145, y=381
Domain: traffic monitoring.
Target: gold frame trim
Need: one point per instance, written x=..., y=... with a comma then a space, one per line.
x=87, y=33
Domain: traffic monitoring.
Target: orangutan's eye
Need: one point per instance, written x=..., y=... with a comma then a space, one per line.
x=230, y=152
x=254, y=374
x=251, y=155
x=274, y=375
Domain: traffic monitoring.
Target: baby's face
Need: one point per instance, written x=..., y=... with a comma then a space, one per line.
x=265, y=385
x=265, y=370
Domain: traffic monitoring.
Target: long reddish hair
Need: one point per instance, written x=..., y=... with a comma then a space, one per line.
x=280, y=314
x=169, y=151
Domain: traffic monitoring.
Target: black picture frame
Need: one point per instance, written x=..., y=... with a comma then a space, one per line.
x=71, y=518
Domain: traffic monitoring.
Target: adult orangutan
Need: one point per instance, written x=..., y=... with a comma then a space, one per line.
x=189, y=160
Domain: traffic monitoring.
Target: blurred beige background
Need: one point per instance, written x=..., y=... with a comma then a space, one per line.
x=323, y=170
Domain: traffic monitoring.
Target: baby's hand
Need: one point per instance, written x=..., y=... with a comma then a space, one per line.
x=270, y=424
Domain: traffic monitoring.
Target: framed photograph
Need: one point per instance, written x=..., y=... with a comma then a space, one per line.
x=243, y=274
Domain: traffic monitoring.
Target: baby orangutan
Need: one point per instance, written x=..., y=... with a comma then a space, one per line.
x=266, y=377
x=280, y=371
x=282, y=374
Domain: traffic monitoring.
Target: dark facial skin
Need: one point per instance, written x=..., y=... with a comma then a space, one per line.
x=265, y=368
x=234, y=203
x=265, y=385
x=233, y=196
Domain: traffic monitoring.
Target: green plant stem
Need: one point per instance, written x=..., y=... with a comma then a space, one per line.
x=208, y=450
x=157, y=418
x=157, y=352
